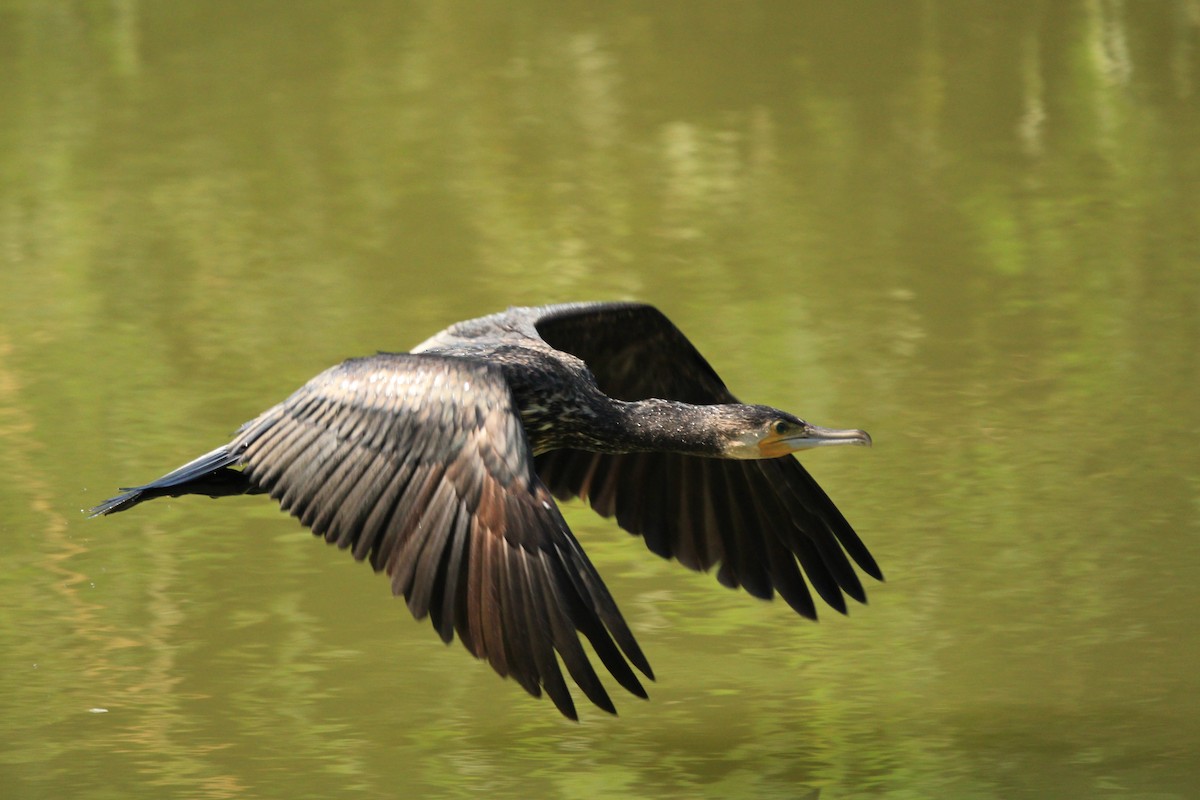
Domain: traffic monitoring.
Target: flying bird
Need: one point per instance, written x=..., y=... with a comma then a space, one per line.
x=441, y=466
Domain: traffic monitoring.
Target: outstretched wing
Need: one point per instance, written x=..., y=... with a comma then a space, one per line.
x=419, y=464
x=633, y=351
x=762, y=521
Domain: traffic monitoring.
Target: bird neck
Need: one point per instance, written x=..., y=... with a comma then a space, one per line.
x=659, y=425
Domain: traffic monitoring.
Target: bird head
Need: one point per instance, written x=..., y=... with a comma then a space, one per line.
x=765, y=432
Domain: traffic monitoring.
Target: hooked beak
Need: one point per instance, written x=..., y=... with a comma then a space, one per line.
x=811, y=436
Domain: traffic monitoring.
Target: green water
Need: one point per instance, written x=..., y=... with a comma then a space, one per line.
x=971, y=228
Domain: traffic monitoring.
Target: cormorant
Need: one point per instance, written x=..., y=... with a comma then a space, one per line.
x=440, y=467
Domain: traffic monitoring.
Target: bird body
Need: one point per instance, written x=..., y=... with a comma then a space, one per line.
x=441, y=466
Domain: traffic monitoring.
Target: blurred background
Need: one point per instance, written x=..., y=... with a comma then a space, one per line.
x=971, y=228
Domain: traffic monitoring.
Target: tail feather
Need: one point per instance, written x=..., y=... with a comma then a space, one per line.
x=210, y=474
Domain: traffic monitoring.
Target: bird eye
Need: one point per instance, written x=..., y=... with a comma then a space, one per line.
x=781, y=427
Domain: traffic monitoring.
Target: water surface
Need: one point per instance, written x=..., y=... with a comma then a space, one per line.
x=969, y=228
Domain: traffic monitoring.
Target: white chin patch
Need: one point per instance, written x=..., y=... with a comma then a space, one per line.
x=745, y=448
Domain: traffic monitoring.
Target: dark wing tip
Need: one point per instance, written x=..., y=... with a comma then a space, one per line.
x=636, y=657
x=868, y=565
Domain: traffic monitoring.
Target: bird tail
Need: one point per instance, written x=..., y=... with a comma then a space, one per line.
x=211, y=474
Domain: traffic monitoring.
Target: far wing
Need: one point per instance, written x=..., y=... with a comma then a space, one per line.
x=762, y=521
x=634, y=352
x=419, y=464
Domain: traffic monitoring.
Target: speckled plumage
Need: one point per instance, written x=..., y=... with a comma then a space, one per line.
x=438, y=466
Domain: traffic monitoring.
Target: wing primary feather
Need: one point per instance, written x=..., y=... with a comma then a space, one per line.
x=631, y=485
x=835, y=558
x=687, y=538
x=724, y=505
x=818, y=575
x=566, y=640
x=785, y=575
x=595, y=612
x=470, y=628
x=425, y=554
x=515, y=636
x=730, y=492
x=709, y=535
x=444, y=614
x=799, y=535
x=814, y=527
x=713, y=545
x=587, y=623
x=767, y=520
x=647, y=513
x=492, y=625
x=837, y=522
x=541, y=635
x=782, y=568
x=659, y=538
x=809, y=537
